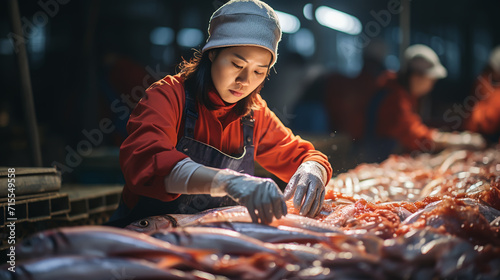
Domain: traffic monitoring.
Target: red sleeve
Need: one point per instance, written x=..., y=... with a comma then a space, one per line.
x=278, y=150
x=398, y=121
x=485, y=115
x=149, y=154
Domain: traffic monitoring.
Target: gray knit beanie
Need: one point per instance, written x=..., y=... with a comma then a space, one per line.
x=244, y=23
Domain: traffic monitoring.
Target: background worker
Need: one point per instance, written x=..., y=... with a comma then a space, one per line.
x=194, y=136
x=391, y=118
x=485, y=115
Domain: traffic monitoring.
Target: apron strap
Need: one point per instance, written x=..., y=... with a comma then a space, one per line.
x=248, y=123
x=191, y=116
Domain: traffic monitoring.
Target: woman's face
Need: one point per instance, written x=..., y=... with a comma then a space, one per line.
x=238, y=71
x=421, y=85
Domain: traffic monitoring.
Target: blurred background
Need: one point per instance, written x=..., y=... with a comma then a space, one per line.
x=90, y=62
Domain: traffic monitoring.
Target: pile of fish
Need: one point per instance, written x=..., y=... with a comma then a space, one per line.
x=424, y=217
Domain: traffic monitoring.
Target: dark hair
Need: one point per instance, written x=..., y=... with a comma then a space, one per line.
x=197, y=77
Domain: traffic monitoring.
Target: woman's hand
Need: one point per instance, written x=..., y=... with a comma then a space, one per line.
x=262, y=197
x=307, y=188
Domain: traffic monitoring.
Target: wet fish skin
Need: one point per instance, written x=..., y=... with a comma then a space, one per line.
x=339, y=241
x=459, y=261
x=235, y=253
x=270, y=234
x=419, y=246
x=100, y=241
x=397, y=207
x=488, y=212
x=154, y=223
x=305, y=223
x=221, y=241
x=229, y=214
x=415, y=216
x=215, y=214
x=240, y=214
x=306, y=255
x=457, y=217
x=450, y=256
x=256, y=266
x=340, y=215
x=96, y=268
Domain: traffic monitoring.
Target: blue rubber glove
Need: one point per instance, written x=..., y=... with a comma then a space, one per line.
x=256, y=194
x=307, y=188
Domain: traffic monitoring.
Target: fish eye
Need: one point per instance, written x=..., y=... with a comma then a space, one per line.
x=143, y=223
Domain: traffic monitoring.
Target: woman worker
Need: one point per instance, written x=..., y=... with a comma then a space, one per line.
x=194, y=136
x=391, y=116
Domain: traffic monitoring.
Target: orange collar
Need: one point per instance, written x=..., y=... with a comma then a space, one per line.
x=224, y=112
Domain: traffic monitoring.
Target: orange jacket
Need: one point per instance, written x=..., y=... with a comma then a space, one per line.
x=397, y=117
x=485, y=115
x=155, y=125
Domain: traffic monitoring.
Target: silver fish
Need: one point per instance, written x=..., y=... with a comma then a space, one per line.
x=101, y=241
x=95, y=268
x=302, y=222
x=266, y=233
x=237, y=256
x=221, y=241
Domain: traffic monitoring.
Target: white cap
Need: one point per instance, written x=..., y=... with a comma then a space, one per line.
x=244, y=23
x=421, y=58
x=495, y=59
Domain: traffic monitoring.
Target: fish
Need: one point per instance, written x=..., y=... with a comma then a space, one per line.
x=256, y=266
x=488, y=212
x=234, y=253
x=458, y=217
x=153, y=223
x=418, y=248
x=220, y=241
x=308, y=255
x=339, y=216
x=270, y=234
x=301, y=222
x=229, y=214
x=102, y=241
x=398, y=207
x=326, y=209
x=95, y=268
x=240, y=214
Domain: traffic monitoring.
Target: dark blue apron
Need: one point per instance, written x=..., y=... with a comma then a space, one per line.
x=202, y=154
x=374, y=148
